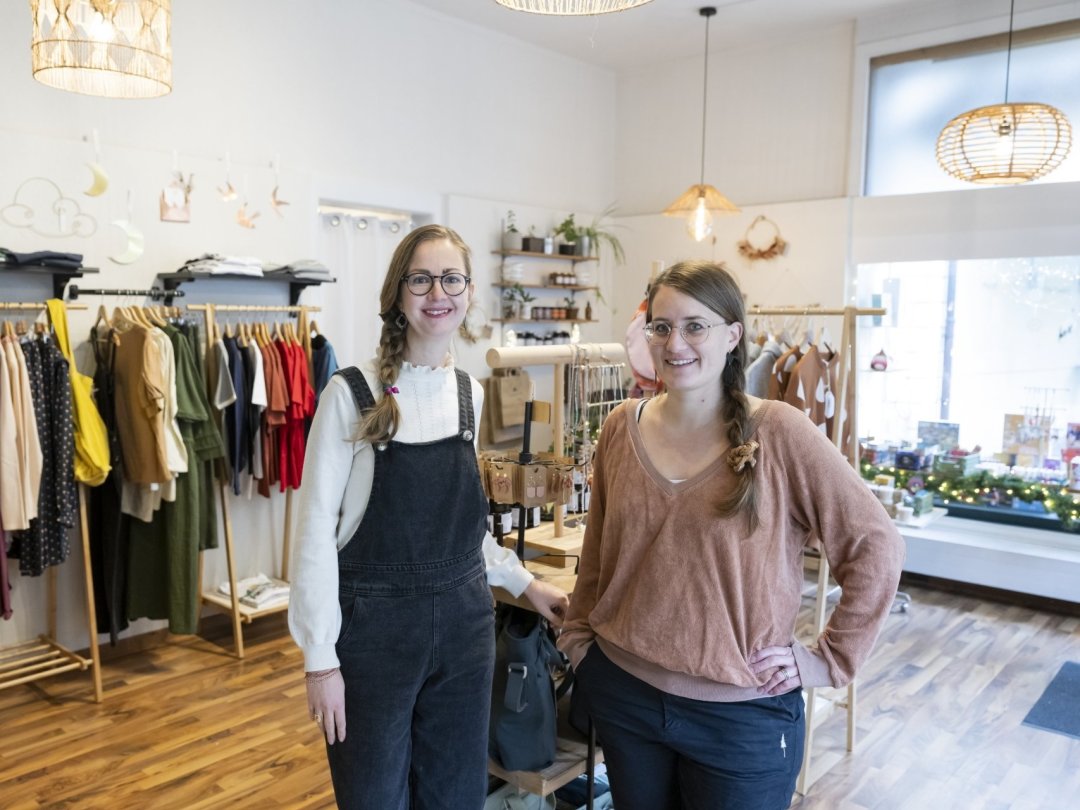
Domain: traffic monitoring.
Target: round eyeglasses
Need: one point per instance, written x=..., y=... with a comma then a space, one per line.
x=693, y=332
x=453, y=284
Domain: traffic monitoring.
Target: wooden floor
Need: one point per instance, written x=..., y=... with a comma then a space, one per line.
x=185, y=725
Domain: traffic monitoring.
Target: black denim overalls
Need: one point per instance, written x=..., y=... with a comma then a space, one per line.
x=417, y=639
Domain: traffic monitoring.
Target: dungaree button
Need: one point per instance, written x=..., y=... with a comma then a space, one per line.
x=380, y=446
x=467, y=435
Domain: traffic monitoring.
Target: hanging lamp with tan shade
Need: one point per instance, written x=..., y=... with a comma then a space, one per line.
x=571, y=8
x=700, y=201
x=111, y=48
x=1005, y=144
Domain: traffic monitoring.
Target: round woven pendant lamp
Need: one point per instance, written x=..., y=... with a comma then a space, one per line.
x=1004, y=144
x=111, y=48
x=571, y=8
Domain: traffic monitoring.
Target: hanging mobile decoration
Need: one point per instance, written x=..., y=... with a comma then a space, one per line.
x=243, y=218
x=227, y=191
x=136, y=243
x=101, y=177
x=38, y=195
x=776, y=247
x=176, y=197
x=275, y=202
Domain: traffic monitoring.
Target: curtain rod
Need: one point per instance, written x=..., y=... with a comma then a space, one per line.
x=153, y=293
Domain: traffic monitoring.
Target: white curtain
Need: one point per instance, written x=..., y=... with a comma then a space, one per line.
x=357, y=250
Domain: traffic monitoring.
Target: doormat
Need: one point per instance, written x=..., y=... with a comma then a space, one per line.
x=1058, y=709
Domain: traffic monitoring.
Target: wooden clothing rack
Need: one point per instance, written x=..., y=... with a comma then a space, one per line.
x=817, y=705
x=558, y=356
x=242, y=614
x=44, y=657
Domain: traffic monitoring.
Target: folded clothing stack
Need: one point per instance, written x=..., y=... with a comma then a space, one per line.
x=259, y=591
x=216, y=264
x=41, y=258
x=306, y=269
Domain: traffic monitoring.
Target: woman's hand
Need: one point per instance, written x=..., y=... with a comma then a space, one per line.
x=549, y=601
x=326, y=702
x=785, y=673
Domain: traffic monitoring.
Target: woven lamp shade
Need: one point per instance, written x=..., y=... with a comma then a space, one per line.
x=688, y=202
x=1004, y=144
x=571, y=8
x=112, y=48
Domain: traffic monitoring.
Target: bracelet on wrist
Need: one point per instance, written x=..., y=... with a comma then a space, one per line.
x=320, y=675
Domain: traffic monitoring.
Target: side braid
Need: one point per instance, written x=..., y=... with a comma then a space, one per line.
x=736, y=414
x=381, y=422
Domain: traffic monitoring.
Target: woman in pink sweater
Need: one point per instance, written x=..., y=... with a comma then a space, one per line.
x=681, y=627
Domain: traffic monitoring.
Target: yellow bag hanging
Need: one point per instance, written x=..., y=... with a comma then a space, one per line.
x=91, y=441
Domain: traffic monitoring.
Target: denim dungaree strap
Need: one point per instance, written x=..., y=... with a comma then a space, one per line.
x=417, y=636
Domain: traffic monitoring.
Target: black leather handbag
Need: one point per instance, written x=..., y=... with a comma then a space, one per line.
x=522, y=730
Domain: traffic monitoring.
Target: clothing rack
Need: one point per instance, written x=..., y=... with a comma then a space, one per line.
x=242, y=614
x=153, y=293
x=43, y=657
x=557, y=356
x=847, y=376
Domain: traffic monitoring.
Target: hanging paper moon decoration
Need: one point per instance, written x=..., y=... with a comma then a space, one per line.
x=101, y=180
x=135, y=242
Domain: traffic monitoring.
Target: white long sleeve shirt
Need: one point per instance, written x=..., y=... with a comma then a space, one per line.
x=337, y=484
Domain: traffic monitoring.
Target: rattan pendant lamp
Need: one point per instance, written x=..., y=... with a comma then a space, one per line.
x=111, y=48
x=1005, y=144
x=700, y=201
x=571, y=8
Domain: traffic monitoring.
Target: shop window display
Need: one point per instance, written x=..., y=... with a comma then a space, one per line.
x=971, y=382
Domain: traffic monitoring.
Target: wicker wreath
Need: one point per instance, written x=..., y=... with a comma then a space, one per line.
x=775, y=248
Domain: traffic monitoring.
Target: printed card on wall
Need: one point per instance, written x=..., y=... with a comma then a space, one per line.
x=945, y=435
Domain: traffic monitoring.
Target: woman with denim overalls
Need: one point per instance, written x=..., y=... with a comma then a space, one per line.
x=390, y=596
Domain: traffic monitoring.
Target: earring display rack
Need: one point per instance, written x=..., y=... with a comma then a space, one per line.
x=242, y=614
x=43, y=657
x=818, y=703
x=552, y=539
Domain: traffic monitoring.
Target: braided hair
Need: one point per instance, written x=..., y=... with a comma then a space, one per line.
x=712, y=285
x=381, y=422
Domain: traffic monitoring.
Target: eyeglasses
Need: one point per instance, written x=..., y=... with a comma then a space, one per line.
x=453, y=284
x=693, y=332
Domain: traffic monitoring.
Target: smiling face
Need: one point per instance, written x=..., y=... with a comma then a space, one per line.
x=434, y=316
x=685, y=366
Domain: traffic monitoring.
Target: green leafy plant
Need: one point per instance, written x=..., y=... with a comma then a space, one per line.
x=568, y=229
x=515, y=292
x=599, y=234
x=511, y=226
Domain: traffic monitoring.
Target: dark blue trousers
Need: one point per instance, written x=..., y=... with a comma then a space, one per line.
x=665, y=752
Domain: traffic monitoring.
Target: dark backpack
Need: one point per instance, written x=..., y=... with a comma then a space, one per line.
x=522, y=730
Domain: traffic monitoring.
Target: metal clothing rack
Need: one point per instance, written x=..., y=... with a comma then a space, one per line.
x=242, y=614
x=153, y=293
x=847, y=376
x=43, y=657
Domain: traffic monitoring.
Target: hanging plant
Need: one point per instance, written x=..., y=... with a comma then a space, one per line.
x=776, y=247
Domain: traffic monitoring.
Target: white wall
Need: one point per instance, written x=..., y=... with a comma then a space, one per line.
x=777, y=124
x=380, y=102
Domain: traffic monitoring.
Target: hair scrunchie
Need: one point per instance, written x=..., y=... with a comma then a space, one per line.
x=739, y=457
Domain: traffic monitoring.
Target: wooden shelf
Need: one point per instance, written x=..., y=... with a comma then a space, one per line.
x=533, y=255
x=570, y=287
x=40, y=658
x=247, y=614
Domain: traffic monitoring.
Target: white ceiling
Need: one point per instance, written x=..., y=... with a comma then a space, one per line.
x=664, y=30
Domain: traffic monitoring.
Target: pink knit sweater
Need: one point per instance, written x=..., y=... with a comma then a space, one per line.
x=681, y=597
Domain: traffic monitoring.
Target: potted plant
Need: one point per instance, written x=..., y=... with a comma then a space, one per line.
x=533, y=243
x=598, y=234
x=511, y=238
x=570, y=233
x=571, y=307
x=517, y=303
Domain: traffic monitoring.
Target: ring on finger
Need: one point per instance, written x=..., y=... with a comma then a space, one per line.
x=317, y=718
